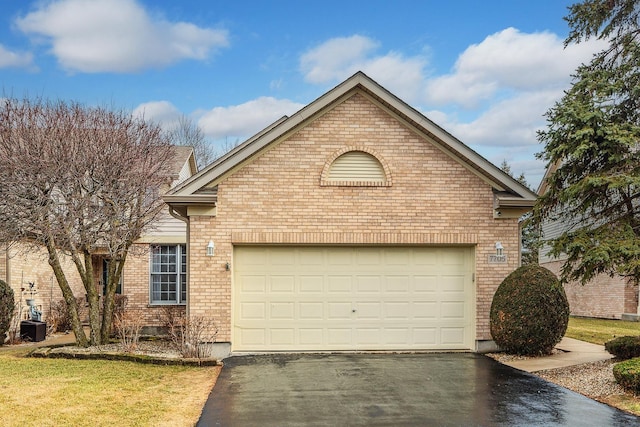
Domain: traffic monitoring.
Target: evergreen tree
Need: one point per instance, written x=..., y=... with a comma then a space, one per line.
x=591, y=145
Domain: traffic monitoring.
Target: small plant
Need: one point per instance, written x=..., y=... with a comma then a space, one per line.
x=128, y=326
x=7, y=307
x=191, y=335
x=119, y=307
x=59, y=319
x=627, y=374
x=624, y=348
x=530, y=312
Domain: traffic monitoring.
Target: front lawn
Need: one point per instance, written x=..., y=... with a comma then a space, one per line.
x=61, y=392
x=599, y=331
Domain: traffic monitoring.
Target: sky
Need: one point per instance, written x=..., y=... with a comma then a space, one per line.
x=485, y=71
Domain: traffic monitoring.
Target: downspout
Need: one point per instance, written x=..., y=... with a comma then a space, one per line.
x=185, y=219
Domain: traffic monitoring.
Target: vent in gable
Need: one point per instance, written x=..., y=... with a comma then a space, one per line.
x=356, y=166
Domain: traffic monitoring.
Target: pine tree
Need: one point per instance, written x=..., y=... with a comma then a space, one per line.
x=591, y=145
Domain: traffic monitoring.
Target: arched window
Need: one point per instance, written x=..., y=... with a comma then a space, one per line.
x=355, y=168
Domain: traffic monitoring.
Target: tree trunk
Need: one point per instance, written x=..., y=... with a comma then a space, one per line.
x=94, y=300
x=115, y=272
x=67, y=293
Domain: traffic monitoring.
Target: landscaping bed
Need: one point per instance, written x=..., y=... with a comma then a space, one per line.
x=152, y=352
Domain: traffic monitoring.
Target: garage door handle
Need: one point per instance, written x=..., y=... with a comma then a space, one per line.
x=353, y=310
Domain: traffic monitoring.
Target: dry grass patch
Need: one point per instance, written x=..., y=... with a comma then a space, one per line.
x=61, y=392
x=599, y=331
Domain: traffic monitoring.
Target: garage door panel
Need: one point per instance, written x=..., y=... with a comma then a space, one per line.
x=310, y=336
x=311, y=310
x=282, y=311
x=425, y=337
x=339, y=310
x=452, y=336
x=253, y=310
x=339, y=336
x=397, y=284
x=452, y=284
x=452, y=310
x=397, y=310
x=425, y=283
x=253, y=284
x=396, y=336
x=426, y=310
x=369, y=337
x=253, y=337
x=368, y=284
x=340, y=284
x=346, y=298
x=282, y=284
x=368, y=256
x=311, y=284
x=339, y=257
x=368, y=310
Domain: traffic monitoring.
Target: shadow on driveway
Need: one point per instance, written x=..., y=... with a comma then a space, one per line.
x=458, y=389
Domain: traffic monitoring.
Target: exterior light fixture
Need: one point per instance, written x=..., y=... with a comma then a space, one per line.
x=499, y=248
x=210, y=248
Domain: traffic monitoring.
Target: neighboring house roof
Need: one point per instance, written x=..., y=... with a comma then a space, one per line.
x=201, y=188
x=181, y=156
x=542, y=188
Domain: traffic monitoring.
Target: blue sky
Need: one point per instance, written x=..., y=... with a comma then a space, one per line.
x=486, y=71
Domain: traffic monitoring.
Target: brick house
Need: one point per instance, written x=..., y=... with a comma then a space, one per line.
x=354, y=224
x=604, y=297
x=147, y=288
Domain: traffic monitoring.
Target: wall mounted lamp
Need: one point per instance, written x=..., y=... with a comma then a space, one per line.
x=499, y=248
x=211, y=248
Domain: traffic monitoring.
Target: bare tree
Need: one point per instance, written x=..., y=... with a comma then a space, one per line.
x=83, y=182
x=186, y=132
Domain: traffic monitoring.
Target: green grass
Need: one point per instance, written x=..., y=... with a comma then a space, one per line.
x=62, y=392
x=599, y=331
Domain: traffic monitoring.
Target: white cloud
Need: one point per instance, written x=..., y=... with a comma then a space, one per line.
x=338, y=58
x=117, y=36
x=507, y=123
x=162, y=112
x=244, y=120
x=15, y=59
x=510, y=60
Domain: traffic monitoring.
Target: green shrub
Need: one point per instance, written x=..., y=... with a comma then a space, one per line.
x=627, y=374
x=529, y=312
x=7, y=305
x=624, y=347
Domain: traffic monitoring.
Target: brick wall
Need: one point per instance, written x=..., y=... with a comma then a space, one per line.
x=605, y=297
x=135, y=285
x=277, y=198
x=31, y=265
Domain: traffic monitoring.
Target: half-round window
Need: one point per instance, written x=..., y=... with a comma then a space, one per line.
x=355, y=168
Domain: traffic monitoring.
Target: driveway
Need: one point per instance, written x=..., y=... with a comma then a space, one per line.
x=457, y=389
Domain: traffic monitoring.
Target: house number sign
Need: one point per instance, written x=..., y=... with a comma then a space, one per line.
x=497, y=259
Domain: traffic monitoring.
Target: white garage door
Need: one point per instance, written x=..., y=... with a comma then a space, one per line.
x=352, y=298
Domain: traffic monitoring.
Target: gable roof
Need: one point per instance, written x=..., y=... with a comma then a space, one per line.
x=200, y=188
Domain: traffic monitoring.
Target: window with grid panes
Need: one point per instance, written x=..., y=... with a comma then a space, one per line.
x=168, y=274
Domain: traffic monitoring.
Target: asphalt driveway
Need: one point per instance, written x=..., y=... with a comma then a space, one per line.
x=458, y=389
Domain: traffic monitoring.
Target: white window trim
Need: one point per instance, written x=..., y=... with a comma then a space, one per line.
x=181, y=249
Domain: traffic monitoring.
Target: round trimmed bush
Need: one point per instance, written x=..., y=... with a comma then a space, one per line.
x=624, y=348
x=627, y=374
x=529, y=312
x=7, y=305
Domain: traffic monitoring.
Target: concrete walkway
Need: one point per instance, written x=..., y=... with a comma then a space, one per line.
x=574, y=352
x=56, y=339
